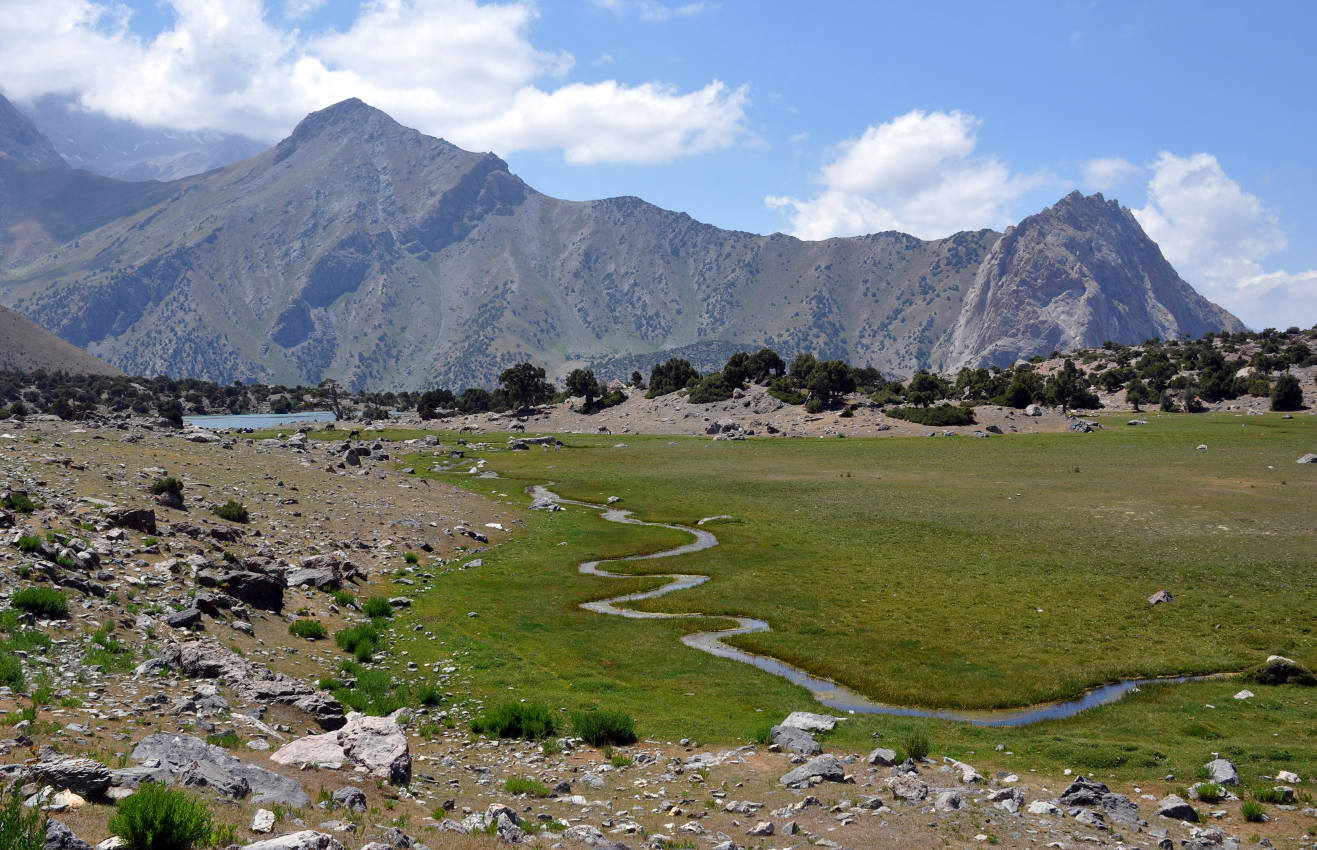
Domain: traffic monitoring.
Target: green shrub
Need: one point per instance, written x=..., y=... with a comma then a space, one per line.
x=1269, y=795
x=763, y=735
x=309, y=629
x=916, y=745
x=228, y=740
x=29, y=543
x=1209, y=792
x=232, y=510
x=110, y=654
x=11, y=672
x=162, y=486
x=429, y=695
x=521, y=785
x=411, y=558
x=603, y=728
x=343, y=598
x=375, y=692
x=941, y=415
x=377, y=606
x=1252, y=812
x=18, y=502
x=44, y=602
x=160, y=818
x=528, y=720
x=361, y=640
x=21, y=828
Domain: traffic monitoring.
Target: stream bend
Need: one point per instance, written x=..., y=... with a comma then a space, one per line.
x=826, y=692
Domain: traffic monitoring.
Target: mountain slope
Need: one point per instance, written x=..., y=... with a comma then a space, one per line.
x=362, y=250
x=26, y=347
x=1074, y=275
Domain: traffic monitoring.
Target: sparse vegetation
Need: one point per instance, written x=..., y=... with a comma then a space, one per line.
x=1252, y=811
x=308, y=629
x=377, y=606
x=233, y=511
x=160, y=818
x=528, y=720
x=360, y=640
x=21, y=828
x=604, y=727
x=529, y=787
x=44, y=602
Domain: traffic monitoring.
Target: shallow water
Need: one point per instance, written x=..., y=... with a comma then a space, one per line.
x=826, y=692
x=257, y=421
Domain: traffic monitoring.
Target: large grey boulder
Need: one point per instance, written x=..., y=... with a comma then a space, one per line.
x=827, y=767
x=83, y=776
x=795, y=740
x=60, y=837
x=258, y=590
x=190, y=761
x=1222, y=771
x=1175, y=807
x=378, y=744
x=350, y=798
x=307, y=839
x=881, y=756
x=1120, y=808
x=1084, y=792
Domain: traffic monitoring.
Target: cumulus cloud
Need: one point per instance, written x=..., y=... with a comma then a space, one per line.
x=653, y=10
x=455, y=68
x=916, y=173
x=1219, y=236
x=1108, y=173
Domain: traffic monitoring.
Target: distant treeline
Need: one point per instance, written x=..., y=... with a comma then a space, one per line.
x=1172, y=374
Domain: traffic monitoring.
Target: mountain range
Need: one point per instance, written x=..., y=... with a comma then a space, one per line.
x=361, y=250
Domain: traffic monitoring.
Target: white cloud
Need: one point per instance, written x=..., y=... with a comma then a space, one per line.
x=455, y=68
x=1218, y=237
x=1108, y=173
x=916, y=173
x=653, y=10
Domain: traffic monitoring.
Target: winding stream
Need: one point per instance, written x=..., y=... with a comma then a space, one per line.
x=826, y=692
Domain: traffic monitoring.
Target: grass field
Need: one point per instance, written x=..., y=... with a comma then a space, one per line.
x=939, y=572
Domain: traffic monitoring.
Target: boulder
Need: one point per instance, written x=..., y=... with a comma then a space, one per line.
x=1308, y=458
x=1120, y=808
x=1007, y=799
x=60, y=837
x=881, y=756
x=1174, y=807
x=1084, y=792
x=949, y=801
x=185, y=619
x=827, y=767
x=84, y=776
x=810, y=722
x=1161, y=597
x=256, y=589
x=137, y=519
x=908, y=787
x=795, y=740
x=307, y=839
x=585, y=834
x=378, y=744
x=1222, y=772
x=262, y=822
x=322, y=572
x=192, y=762
x=350, y=798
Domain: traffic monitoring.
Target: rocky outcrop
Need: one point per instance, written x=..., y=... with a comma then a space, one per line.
x=192, y=763
x=201, y=659
x=377, y=744
x=1075, y=275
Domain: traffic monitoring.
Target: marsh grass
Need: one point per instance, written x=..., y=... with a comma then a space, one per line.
x=898, y=570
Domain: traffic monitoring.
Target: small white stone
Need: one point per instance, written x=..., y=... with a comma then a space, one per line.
x=1245, y=694
x=263, y=821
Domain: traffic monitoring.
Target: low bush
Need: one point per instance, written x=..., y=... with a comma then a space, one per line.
x=916, y=745
x=1269, y=794
x=1252, y=812
x=18, y=502
x=228, y=740
x=941, y=415
x=604, y=728
x=528, y=720
x=377, y=606
x=21, y=828
x=411, y=558
x=522, y=785
x=11, y=673
x=1209, y=792
x=233, y=511
x=309, y=629
x=160, y=818
x=429, y=695
x=343, y=598
x=162, y=486
x=361, y=640
x=29, y=543
x=44, y=602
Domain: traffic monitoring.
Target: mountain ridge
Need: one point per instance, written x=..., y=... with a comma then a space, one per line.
x=360, y=249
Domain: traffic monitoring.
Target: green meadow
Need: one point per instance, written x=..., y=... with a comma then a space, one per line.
x=943, y=572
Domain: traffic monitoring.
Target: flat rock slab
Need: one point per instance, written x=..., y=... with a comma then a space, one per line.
x=191, y=761
x=795, y=740
x=307, y=839
x=377, y=744
x=827, y=767
x=810, y=722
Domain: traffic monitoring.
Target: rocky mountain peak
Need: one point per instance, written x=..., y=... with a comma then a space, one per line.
x=20, y=139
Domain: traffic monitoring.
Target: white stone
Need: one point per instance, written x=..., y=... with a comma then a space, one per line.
x=263, y=821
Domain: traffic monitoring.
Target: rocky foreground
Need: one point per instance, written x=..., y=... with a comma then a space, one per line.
x=174, y=664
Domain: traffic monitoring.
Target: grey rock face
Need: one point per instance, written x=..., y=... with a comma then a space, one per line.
x=881, y=756
x=307, y=839
x=60, y=837
x=1223, y=772
x=378, y=744
x=1084, y=792
x=350, y=798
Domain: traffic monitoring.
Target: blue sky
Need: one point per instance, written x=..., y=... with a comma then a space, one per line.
x=832, y=119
